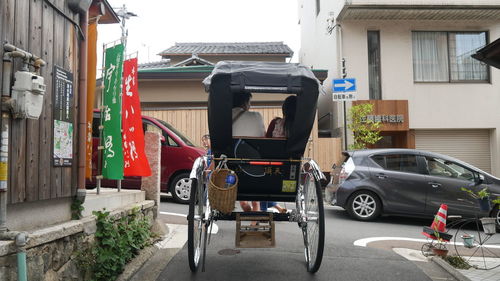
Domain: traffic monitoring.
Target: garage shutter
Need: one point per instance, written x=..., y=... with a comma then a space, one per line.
x=471, y=146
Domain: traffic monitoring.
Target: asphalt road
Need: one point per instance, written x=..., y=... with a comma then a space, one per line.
x=342, y=260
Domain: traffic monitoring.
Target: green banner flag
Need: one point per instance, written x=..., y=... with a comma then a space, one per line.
x=112, y=167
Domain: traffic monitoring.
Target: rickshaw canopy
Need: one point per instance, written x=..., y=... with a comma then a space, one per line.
x=232, y=77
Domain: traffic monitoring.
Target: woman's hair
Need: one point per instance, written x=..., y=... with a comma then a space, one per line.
x=289, y=108
x=241, y=99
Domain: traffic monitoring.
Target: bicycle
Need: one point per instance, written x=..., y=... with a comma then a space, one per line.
x=480, y=249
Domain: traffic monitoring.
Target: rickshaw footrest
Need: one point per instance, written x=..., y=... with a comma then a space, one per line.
x=255, y=236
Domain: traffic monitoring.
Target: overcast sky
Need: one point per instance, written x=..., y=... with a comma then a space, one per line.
x=162, y=23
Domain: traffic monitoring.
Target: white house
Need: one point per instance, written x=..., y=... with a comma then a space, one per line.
x=412, y=60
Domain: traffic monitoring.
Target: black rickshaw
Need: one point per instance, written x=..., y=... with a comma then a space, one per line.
x=268, y=169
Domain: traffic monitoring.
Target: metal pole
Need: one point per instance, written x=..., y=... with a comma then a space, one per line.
x=123, y=15
x=101, y=127
x=4, y=146
x=344, y=75
x=4, y=162
x=345, y=126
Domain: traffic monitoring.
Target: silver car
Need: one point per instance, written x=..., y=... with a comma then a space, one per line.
x=409, y=182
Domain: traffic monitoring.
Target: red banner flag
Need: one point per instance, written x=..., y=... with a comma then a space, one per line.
x=135, y=161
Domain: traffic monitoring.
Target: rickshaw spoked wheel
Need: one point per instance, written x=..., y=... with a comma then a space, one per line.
x=313, y=226
x=196, y=224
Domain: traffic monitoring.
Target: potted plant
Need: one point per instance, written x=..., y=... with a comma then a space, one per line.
x=489, y=226
x=439, y=248
x=468, y=240
x=482, y=197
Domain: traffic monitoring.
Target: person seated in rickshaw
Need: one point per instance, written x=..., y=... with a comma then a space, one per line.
x=246, y=124
x=279, y=128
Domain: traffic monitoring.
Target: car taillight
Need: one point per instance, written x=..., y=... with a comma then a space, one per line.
x=347, y=169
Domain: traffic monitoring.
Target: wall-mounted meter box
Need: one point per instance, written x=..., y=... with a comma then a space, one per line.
x=27, y=95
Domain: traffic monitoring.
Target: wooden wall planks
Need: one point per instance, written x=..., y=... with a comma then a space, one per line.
x=59, y=21
x=32, y=127
x=193, y=123
x=7, y=19
x=18, y=131
x=36, y=27
x=45, y=128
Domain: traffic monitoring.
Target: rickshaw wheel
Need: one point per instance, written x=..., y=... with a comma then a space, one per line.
x=313, y=229
x=196, y=225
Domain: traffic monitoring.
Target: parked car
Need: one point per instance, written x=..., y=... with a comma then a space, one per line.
x=409, y=182
x=178, y=154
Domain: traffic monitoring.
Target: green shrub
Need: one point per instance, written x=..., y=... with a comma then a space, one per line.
x=457, y=262
x=116, y=243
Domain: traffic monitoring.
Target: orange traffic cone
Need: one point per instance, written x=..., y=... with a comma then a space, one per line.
x=438, y=226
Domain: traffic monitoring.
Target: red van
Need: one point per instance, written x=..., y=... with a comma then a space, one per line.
x=177, y=157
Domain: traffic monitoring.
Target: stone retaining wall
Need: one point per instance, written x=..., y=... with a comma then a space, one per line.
x=51, y=252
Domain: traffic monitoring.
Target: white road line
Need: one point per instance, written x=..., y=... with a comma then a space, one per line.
x=175, y=238
x=363, y=242
x=215, y=228
x=173, y=214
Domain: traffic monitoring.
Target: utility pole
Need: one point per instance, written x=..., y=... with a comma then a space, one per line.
x=124, y=15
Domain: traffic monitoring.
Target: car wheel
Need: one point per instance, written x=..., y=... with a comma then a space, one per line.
x=496, y=214
x=364, y=205
x=180, y=188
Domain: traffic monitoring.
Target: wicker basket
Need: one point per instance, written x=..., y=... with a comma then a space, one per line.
x=221, y=198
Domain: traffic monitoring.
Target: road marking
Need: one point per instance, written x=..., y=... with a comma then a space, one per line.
x=215, y=228
x=363, y=242
x=175, y=238
x=173, y=214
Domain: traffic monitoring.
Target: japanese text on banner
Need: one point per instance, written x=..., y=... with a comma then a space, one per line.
x=135, y=161
x=112, y=137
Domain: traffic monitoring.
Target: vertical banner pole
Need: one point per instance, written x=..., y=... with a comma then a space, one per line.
x=99, y=147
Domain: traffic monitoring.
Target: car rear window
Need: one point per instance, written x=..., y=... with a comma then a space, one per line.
x=397, y=162
x=380, y=160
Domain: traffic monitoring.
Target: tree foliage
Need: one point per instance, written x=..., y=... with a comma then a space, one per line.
x=365, y=131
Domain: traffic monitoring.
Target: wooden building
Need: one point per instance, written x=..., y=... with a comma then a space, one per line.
x=172, y=89
x=55, y=32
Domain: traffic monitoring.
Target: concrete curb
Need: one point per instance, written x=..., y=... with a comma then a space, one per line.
x=135, y=264
x=450, y=269
x=152, y=260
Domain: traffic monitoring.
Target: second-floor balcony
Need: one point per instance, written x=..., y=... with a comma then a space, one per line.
x=473, y=10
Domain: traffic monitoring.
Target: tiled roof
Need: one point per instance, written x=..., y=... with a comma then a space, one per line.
x=193, y=60
x=154, y=65
x=229, y=48
x=197, y=68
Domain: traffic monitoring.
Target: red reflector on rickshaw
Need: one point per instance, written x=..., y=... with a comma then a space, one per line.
x=265, y=163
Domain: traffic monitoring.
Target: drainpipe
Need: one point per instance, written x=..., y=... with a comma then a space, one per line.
x=82, y=109
x=4, y=141
x=21, y=240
